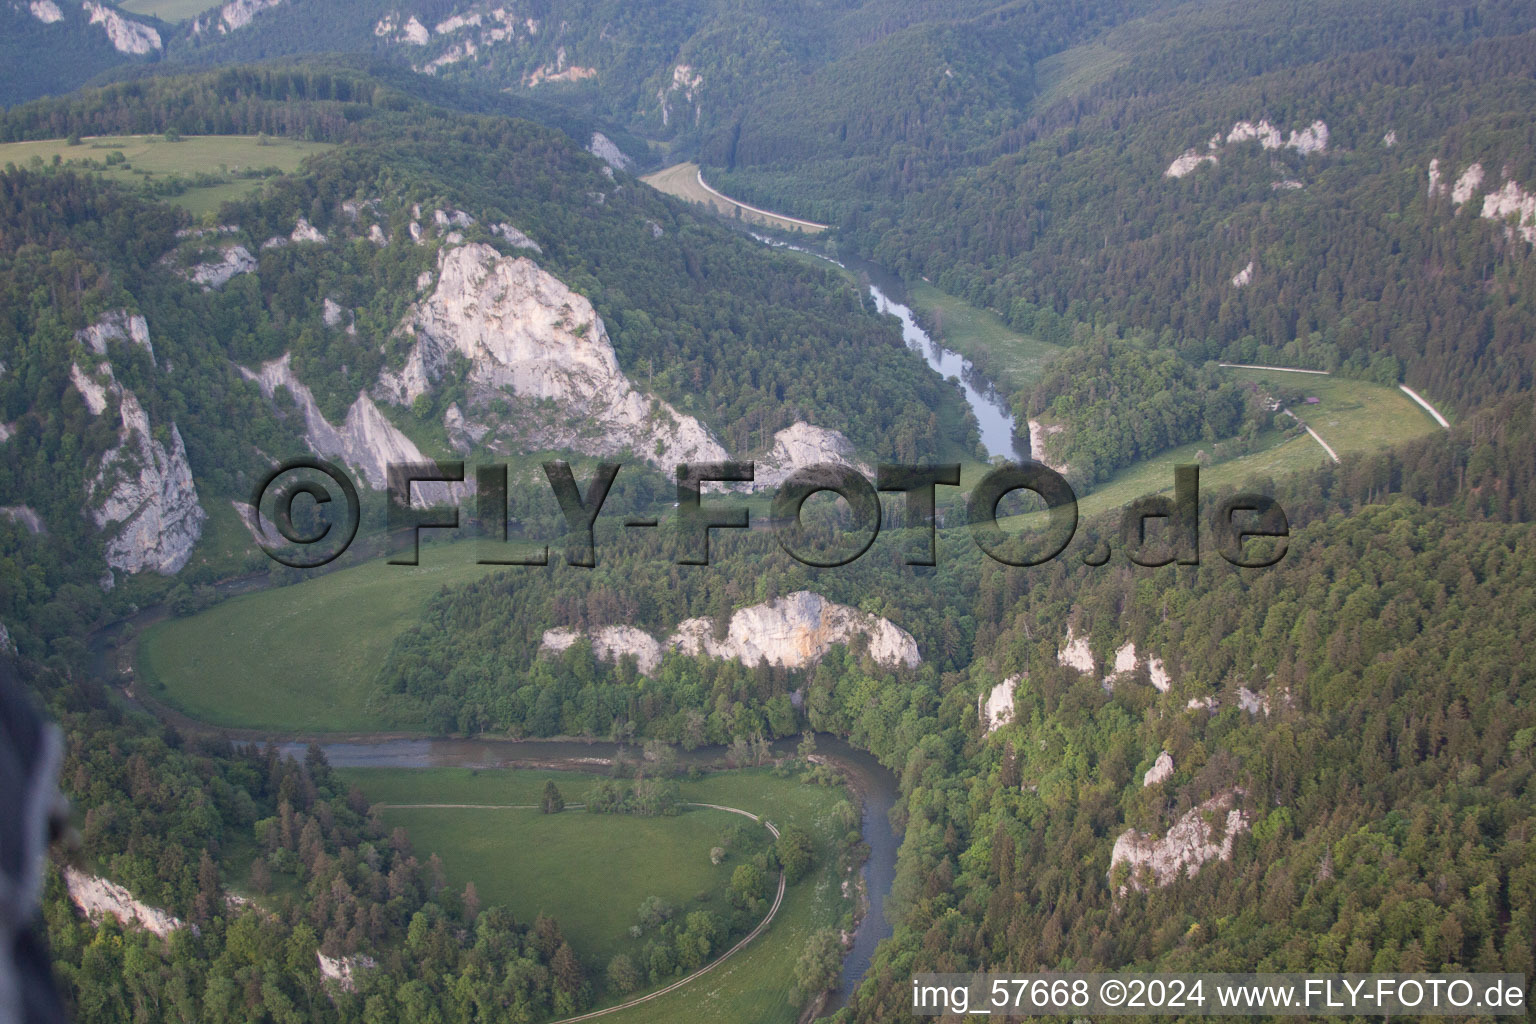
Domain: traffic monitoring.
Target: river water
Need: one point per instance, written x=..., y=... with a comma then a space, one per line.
x=874, y=785
x=993, y=416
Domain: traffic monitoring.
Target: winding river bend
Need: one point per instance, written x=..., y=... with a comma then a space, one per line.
x=999, y=430
x=873, y=784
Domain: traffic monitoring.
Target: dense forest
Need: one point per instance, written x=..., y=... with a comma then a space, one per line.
x=1366, y=706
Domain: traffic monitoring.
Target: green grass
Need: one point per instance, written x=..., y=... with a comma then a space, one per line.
x=682, y=180
x=530, y=861
x=152, y=157
x=1018, y=359
x=169, y=10
x=299, y=658
x=1351, y=415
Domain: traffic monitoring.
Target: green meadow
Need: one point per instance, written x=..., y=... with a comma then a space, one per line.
x=210, y=166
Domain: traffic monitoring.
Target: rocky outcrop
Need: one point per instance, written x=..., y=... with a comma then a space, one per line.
x=236, y=259
x=1251, y=702
x=1125, y=664
x=528, y=337
x=365, y=439
x=1243, y=277
x=1516, y=207
x=7, y=645
x=603, y=148
x=412, y=32
x=1509, y=204
x=462, y=434
x=515, y=237
x=141, y=490
x=1075, y=653
x=1040, y=434
x=98, y=898
x=27, y=516
x=800, y=445
x=130, y=37
x=46, y=11
x=1203, y=834
x=1161, y=770
x=235, y=14
x=117, y=325
x=791, y=632
x=796, y=630
x=1311, y=139
x=995, y=709
x=343, y=970
x=685, y=83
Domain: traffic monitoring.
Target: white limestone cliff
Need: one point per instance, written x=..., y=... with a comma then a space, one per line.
x=99, y=898
x=140, y=490
x=27, y=516
x=1161, y=770
x=526, y=335
x=1516, y=207
x=238, y=14
x=343, y=970
x=1186, y=162
x=686, y=83
x=236, y=259
x=515, y=237
x=46, y=11
x=799, y=445
x=995, y=709
x=1192, y=842
x=1243, y=277
x=795, y=630
x=1075, y=653
x=130, y=37
x=117, y=325
x=365, y=439
x=603, y=148
x=791, y=632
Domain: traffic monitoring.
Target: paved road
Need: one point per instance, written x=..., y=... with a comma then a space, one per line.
x=762, y=925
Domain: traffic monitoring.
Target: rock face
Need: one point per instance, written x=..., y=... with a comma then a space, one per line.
x=1243, y=277
x=140, y=489
x=1191, y=843
x=603, y=148
x=1126, y=661
x=117, y=325
x=365, y=438
x=528, y=336
x=796, y=630
x=1161, y=770
x=236, y=259
x=98, y=898
x=801, y=444
x=1075, y=653
x=1311, y=139
x=126, y=36
x=995, y=709
x=1511, y=204
x=46, y=11
x=792, y=632
x=515, y=237
x=343, y=970
x=238, y=14
x=1039, y=436
x=685, y=83
x=27, y=516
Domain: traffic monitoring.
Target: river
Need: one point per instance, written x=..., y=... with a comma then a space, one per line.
x=873, y=784
x=994, y=418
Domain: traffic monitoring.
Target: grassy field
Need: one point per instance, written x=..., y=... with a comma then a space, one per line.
x=682, y=180
x=151, y=157
x=528, y=861
x=169, y=10
x=1351, y=415
x=973, y=332
x=298, y=658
